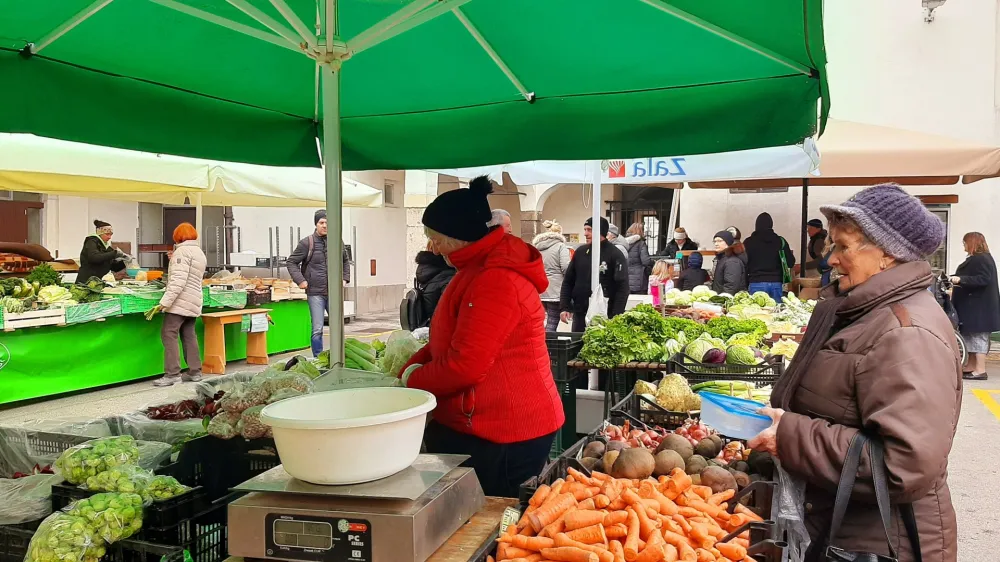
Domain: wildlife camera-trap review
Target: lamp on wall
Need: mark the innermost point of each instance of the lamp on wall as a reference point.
(929, 7)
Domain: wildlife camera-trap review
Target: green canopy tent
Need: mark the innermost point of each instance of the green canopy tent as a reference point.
(415, 83)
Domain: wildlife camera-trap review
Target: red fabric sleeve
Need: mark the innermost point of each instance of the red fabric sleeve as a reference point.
(481, 330)
(422, 356)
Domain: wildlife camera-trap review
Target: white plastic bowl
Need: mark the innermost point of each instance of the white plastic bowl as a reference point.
(349, 436)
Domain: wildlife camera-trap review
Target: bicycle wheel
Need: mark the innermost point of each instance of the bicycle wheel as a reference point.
(963, 352)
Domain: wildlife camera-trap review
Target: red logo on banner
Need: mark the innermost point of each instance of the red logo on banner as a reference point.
(616, 169)
(358, 527)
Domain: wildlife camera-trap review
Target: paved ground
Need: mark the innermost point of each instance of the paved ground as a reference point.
(973, 477)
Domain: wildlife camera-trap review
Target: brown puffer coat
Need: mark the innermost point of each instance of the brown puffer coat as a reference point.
(891, 367)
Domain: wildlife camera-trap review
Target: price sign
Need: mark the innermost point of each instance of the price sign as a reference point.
(258, 323)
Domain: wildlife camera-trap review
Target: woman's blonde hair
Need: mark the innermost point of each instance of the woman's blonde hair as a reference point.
(663, 269)
(445, 243)
(552, 226)
(976, 243)
(636, 228)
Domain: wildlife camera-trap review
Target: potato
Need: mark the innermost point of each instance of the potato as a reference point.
(594, 449)
(634, 464)
(707, 448)
(677, 443)
(608, 461)
(666, 461)
(695, 465)
(718, 479)
(591, 463)
(615, 445)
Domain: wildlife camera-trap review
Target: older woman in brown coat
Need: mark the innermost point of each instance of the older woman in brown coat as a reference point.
(879, 356)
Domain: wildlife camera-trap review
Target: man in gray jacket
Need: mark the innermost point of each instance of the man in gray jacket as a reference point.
(307, 268)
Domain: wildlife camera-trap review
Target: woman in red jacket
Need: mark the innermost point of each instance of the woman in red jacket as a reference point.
(487, 363)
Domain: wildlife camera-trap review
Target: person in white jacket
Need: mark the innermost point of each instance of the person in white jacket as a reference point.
(181, 305)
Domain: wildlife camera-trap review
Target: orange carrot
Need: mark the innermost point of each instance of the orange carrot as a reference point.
(533, 544)
(699, 533)
(686, 553)
(714, 511)
(704, 555)
(683, 522)
(527, 531)
(580, 477)
(603, 554)
(744, 510)
(601, 501)
(599, 476)
(617, 551)
(731, 551)
(569, 554)
(618, 531)
(530, 558)
(736, 521)
(678, 483)
(652, 553)
(646, 525)
(506, 552)
(587, 505)
(668, 524)
(615, 517)
(593, 534)
(585, 492)
(631, 544)
(716, 499)
(554, 528)
(539, 496)
(669, 553)
(578, 519)
(745, 543)
(551, 510)
(702, 491)
(490, 559)
(676, 539)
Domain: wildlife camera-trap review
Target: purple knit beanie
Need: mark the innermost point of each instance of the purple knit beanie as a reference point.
(894, 220)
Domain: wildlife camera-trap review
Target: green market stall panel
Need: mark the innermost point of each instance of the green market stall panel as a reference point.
(52, 360)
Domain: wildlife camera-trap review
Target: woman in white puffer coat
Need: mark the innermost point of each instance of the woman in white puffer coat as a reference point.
(181, 305)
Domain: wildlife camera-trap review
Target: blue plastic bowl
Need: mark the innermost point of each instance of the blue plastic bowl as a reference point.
(733, 417)
(132, 272)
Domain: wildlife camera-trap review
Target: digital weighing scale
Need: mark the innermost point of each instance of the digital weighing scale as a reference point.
(402, 518)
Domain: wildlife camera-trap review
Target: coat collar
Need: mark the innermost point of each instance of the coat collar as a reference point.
(477, 251)
(882, 288)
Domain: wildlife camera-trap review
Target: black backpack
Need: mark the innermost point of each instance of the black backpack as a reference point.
(411, 310)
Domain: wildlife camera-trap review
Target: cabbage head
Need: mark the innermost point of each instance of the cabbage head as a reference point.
(702, 290)
(698, 348)
(741, 355)
(763, 299)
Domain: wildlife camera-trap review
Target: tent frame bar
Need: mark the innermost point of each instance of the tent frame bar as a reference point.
(530, 96)
(229, 24)
(267, 21)
(67, 25)
(665, 6)
(297, 24)
(402, 21)
(330, 30)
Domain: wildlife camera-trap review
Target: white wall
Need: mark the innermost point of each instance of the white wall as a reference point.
(68, 220)
(888, 67)
(570, 205)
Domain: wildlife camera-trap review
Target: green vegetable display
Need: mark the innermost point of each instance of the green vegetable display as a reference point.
(741, 355)
(12, 305)
(359, 355)
(112, 516)
(55, 296)
(78, 463)
(725, 327)
(44, 275)
(7, 286)
(163, 488)
(65, 538)
(399, 349)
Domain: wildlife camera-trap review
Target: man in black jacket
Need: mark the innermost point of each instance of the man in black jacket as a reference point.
(765, 250)
(307, 268)
(817, 241)
(574, 298)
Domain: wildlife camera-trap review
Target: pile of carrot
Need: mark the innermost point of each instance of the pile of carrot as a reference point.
(602, 519)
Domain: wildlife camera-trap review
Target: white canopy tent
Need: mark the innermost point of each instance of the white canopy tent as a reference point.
(800, 160)
(42, 165)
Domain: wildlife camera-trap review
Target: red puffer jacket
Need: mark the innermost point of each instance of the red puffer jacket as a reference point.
(486, 362)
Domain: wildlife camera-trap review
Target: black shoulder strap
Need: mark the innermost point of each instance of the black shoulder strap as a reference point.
(910, 522)
(309, 254)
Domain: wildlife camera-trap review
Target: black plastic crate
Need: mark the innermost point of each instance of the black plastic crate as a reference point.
(17, 442)
(217, 465)
(255, 298)
(564, 347)
(695, 372)
(161, 513)
(651, 413)
(14, 542)
(208, 524)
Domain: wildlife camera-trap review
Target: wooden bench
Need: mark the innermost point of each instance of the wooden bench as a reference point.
(215, 339)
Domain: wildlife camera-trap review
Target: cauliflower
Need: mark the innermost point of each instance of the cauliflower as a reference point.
(673, 393)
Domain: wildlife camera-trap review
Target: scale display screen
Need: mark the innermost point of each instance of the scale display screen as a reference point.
(318, 539)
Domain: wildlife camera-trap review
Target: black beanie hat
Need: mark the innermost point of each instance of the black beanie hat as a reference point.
(726, 236)
(462, 214)
(605, 225)
(320, 215)
(815, 223)
(101, 224)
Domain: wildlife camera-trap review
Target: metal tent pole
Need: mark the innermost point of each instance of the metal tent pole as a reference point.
(595, 261)
(334, 204)
(803, 256)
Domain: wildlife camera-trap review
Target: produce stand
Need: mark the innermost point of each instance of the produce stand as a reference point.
(214, 349)
(54, 360)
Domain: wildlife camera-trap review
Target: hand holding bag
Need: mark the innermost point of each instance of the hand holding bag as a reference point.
(844, 489)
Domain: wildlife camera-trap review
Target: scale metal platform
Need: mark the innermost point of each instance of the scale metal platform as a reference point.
(402, 518)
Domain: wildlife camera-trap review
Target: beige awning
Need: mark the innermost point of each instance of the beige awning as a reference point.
(861, 154)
